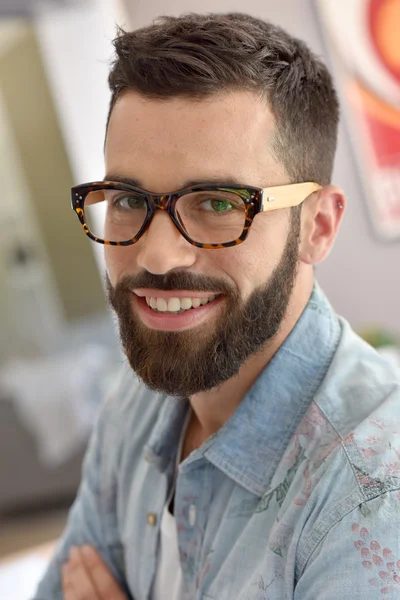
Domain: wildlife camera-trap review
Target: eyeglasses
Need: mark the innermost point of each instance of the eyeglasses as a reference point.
(207, 216)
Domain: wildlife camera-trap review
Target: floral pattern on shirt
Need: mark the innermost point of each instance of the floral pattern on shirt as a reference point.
(378, 562)
(379, 452)
(313, 441)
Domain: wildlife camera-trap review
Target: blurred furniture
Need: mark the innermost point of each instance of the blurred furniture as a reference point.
(47, 410)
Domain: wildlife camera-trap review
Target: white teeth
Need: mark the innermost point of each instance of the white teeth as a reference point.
(162, 305)
(176, 305)
(186, 303)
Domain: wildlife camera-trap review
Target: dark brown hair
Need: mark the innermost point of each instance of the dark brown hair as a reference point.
(197, 56)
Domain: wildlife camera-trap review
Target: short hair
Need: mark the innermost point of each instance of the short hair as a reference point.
(197, 56)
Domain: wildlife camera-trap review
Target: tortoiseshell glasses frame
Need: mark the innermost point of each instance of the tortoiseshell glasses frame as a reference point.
(256, 200)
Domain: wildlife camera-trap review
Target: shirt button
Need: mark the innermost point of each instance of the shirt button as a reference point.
(151, 519)
(192, 515)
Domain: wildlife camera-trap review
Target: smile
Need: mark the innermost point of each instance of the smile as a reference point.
(175, 310)
(177, 305)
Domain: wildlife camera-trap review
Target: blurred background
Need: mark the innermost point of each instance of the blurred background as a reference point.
(58, 343)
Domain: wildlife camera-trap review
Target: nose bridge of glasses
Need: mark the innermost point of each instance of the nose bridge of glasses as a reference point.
(160, 201)
(163, 202)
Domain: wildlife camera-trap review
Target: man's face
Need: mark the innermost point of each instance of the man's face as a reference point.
(163, 145)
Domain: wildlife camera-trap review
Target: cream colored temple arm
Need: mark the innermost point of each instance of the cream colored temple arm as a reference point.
(286, 196)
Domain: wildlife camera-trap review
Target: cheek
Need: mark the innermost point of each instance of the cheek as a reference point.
(118, 262)
(245, 266)
(251, 264)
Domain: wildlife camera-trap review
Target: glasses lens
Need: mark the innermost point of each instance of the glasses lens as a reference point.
(212, 217)
(114, 215)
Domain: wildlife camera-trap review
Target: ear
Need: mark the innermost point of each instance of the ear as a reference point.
(321, 217)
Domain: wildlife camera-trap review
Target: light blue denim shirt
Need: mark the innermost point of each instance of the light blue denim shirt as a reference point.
(296, 496)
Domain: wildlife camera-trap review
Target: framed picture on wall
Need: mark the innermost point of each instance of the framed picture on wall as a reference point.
(362, 38)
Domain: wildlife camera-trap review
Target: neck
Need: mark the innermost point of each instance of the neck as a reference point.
(211, 409)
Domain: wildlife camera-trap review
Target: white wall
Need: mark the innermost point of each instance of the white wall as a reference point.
(361, 276)
(76, 48)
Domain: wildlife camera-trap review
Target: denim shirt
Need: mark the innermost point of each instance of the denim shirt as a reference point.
(296, 496)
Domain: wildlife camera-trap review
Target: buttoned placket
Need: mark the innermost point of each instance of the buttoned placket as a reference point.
(159, 476)
(163, 469)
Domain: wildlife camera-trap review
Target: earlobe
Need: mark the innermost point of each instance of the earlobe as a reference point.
(322, 217)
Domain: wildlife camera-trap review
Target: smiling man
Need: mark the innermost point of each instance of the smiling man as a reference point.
(249, 450)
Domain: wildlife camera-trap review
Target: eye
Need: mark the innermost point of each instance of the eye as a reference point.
(130, 202)
(217, 205)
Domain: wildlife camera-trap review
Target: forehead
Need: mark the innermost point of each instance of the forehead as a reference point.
(164, 142)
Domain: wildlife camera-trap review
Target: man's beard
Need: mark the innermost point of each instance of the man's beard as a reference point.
(183, 363)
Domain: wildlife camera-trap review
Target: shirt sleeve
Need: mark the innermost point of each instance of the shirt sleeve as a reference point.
(359, 557)
(92, 519)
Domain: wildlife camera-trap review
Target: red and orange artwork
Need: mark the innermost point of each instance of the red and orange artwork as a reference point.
(363, 40)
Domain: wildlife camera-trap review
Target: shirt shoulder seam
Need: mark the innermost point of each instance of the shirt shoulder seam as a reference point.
(339, 511)
(345, 506)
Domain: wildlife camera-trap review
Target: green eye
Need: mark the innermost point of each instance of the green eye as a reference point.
(221, 205)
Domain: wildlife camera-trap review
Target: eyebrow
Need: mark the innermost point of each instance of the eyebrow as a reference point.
(136, 183)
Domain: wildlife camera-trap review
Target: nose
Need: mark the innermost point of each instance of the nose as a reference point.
(162, 248)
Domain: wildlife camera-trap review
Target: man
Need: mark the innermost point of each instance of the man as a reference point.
(250, 449)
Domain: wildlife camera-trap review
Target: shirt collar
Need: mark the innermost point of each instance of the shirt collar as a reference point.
(250, 445)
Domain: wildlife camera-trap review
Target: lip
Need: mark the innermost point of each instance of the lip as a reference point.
(164, 321)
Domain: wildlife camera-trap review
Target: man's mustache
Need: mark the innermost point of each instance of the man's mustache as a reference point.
(182, 280)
